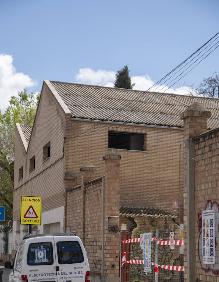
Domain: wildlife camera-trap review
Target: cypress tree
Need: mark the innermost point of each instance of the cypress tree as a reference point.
(123, 79)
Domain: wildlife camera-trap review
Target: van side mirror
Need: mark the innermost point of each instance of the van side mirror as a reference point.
(8, 265)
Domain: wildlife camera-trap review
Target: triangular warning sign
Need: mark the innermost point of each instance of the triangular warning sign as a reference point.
(30, 213)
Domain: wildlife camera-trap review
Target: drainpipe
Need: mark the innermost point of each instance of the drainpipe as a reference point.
(83, 209)
(65, 211)
(190, 234)
(103, 230)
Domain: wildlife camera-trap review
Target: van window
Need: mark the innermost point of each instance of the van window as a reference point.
(40, 254)
(69, 252)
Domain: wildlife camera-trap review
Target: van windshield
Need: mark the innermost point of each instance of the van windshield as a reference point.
(40, 253)
(69, 252)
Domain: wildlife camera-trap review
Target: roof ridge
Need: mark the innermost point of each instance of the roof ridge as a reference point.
(22, 135)
(133, 90)
(92, 102)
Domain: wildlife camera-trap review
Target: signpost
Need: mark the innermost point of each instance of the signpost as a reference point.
(146, 242)
(2, 213)
(31, 209)
(208, 237)
(171, 238)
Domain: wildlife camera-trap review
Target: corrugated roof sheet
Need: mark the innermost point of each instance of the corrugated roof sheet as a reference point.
(130, 106)
(145, 212)
(26, 129)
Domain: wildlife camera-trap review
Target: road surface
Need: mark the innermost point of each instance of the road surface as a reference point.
(6, 275)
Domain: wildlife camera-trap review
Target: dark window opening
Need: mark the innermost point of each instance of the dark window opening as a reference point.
(46, 151)
(21, 173)
(32, 163)
(126, 140)
(40, 254)
(69, 252)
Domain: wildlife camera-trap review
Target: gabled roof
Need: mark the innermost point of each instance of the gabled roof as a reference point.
(25, 133)
(26, 129)
(129, 106)
(98, 103)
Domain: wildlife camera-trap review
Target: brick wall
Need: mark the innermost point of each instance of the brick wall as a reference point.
(93, 220)
(200, 186)
(206, 189)
(151, 178)
(92, 211)
(47, 178)
(93, 224)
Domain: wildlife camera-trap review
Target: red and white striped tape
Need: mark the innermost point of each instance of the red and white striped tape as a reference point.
(172, 267)
(168, 242)
(159, 242)
(166, 267)
(135, 261)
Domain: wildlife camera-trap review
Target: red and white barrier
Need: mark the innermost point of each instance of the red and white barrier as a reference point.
(135, 261)
(168, 242)
(172, 267)
(165, 267)
(159, 242)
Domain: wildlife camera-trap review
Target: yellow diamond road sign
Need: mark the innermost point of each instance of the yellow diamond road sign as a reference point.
(31, 209)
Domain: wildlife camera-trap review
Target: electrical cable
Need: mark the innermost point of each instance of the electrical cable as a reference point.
(161, 80)
(182, 65)
(192, 61)
(208, 52)
(197, 56)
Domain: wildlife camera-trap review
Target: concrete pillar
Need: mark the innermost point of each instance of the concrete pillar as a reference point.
(111, 218)
(195, 122)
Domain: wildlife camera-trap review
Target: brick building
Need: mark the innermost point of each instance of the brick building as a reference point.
(201, 193)
(107, 155)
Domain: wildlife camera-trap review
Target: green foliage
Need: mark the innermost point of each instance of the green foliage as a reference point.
(123, 79)
(21, 110)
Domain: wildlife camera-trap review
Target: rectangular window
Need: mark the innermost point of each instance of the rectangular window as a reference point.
(21, 173)
(69, 252)
(46, 151)
(126, 140)
(40, 254)
(32, 164)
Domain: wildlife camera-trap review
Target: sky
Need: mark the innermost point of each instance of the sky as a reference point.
(88, 41)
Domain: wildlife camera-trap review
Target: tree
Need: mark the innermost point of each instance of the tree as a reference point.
(210, 87)
(123, 79)
(22, 110)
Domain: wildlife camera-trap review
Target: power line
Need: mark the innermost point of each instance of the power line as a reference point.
(191, 62)
(198, 62)
(190, 65)
(182, 65)
(183, 62)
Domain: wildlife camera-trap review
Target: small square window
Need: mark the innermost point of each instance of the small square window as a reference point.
(46, 151)
(32, 164)
(21, 173)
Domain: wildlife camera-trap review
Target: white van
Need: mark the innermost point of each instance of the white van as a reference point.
(51, 258)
